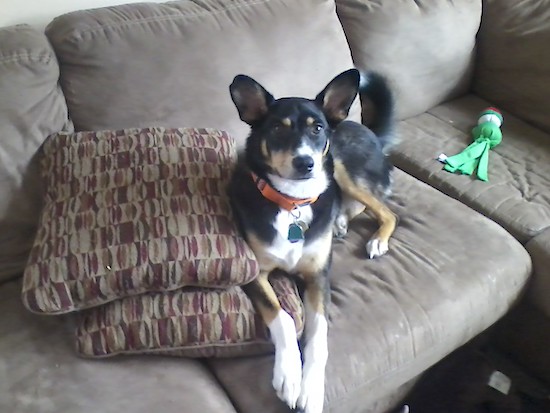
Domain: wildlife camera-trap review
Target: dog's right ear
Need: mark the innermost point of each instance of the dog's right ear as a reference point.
(337, 97)
(250, 98)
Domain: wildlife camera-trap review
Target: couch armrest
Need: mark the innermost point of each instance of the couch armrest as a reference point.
(539, 291)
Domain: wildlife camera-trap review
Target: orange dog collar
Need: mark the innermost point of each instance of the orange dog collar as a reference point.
(286, 202)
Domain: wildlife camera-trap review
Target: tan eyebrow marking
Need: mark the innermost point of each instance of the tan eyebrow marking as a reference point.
(310, 121)
(286, 121)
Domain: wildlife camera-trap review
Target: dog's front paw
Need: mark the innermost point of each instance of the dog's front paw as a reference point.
(340, 228)
(287, 375)
(377, 248)
(312, 395)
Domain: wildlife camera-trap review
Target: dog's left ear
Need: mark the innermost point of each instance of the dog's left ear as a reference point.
(337, 97)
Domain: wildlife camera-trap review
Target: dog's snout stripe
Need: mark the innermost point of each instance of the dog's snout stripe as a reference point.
(305, 150)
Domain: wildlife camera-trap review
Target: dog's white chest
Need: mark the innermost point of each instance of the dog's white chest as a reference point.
(285, 253)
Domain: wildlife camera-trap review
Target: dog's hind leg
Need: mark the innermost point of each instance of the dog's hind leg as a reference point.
(349, 209)
(379, 243)
(287, 372)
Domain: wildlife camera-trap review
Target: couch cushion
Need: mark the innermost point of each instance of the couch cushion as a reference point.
(32, 106)
(186, 322)
(449, 275)
(41, 374)
(426, 49)
(171, 64)
(513, 62)
(236, 376)
(131, 211)
(539, 291)
(516, 195)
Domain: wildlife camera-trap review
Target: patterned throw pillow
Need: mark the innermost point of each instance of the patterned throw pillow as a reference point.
(134, 211)
(186, 322)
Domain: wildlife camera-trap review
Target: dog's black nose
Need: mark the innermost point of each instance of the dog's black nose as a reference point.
(303, 164)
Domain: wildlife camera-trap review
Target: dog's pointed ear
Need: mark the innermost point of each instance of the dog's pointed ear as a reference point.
(250, 98)
(337, 97)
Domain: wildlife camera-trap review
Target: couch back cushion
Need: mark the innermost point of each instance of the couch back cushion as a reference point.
(513, 68)
(32, 107)
(171, 64)
(425, 48)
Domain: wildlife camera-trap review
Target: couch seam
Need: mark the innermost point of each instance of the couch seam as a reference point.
(31, 57)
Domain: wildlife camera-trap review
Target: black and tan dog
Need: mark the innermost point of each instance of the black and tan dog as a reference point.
(306, 171)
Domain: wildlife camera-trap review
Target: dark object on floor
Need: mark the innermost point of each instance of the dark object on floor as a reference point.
(472, 381)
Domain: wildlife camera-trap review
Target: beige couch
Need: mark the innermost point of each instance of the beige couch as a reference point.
(463, 255)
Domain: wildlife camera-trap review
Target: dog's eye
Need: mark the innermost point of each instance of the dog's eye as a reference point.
(279, 125)
(317, 128)
(276, 128)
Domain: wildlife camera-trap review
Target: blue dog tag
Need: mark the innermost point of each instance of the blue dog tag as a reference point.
(295, 233)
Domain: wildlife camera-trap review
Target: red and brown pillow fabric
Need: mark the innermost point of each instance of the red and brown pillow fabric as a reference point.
(186, 322)
(134, 211)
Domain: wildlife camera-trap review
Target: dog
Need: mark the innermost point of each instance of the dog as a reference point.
(305, 173)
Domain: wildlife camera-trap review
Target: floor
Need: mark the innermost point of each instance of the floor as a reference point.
(478, 378)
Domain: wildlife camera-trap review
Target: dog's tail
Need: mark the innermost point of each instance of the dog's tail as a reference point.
(377, 107)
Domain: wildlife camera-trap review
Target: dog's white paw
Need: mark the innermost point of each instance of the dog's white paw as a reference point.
(287, 375)
(340, 228)
(287, 372)
(377, 248)
(312, 395)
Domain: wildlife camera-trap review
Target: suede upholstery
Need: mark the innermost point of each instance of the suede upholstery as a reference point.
(516, 195)
(455, 266)
(32, 107)
(406, 309)
(182, 56)
(514, 62)
(40, 373)
(425, 48)
(539, 248)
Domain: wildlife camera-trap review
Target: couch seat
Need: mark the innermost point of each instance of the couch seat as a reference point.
(40, 373)
(449, 275)
(516, 196)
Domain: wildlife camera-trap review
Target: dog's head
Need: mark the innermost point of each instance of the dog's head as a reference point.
(290, 136)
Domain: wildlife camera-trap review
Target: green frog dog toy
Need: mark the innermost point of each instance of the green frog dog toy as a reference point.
(487, 135)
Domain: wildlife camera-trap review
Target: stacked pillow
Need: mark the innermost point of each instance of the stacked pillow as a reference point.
(137, 236)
